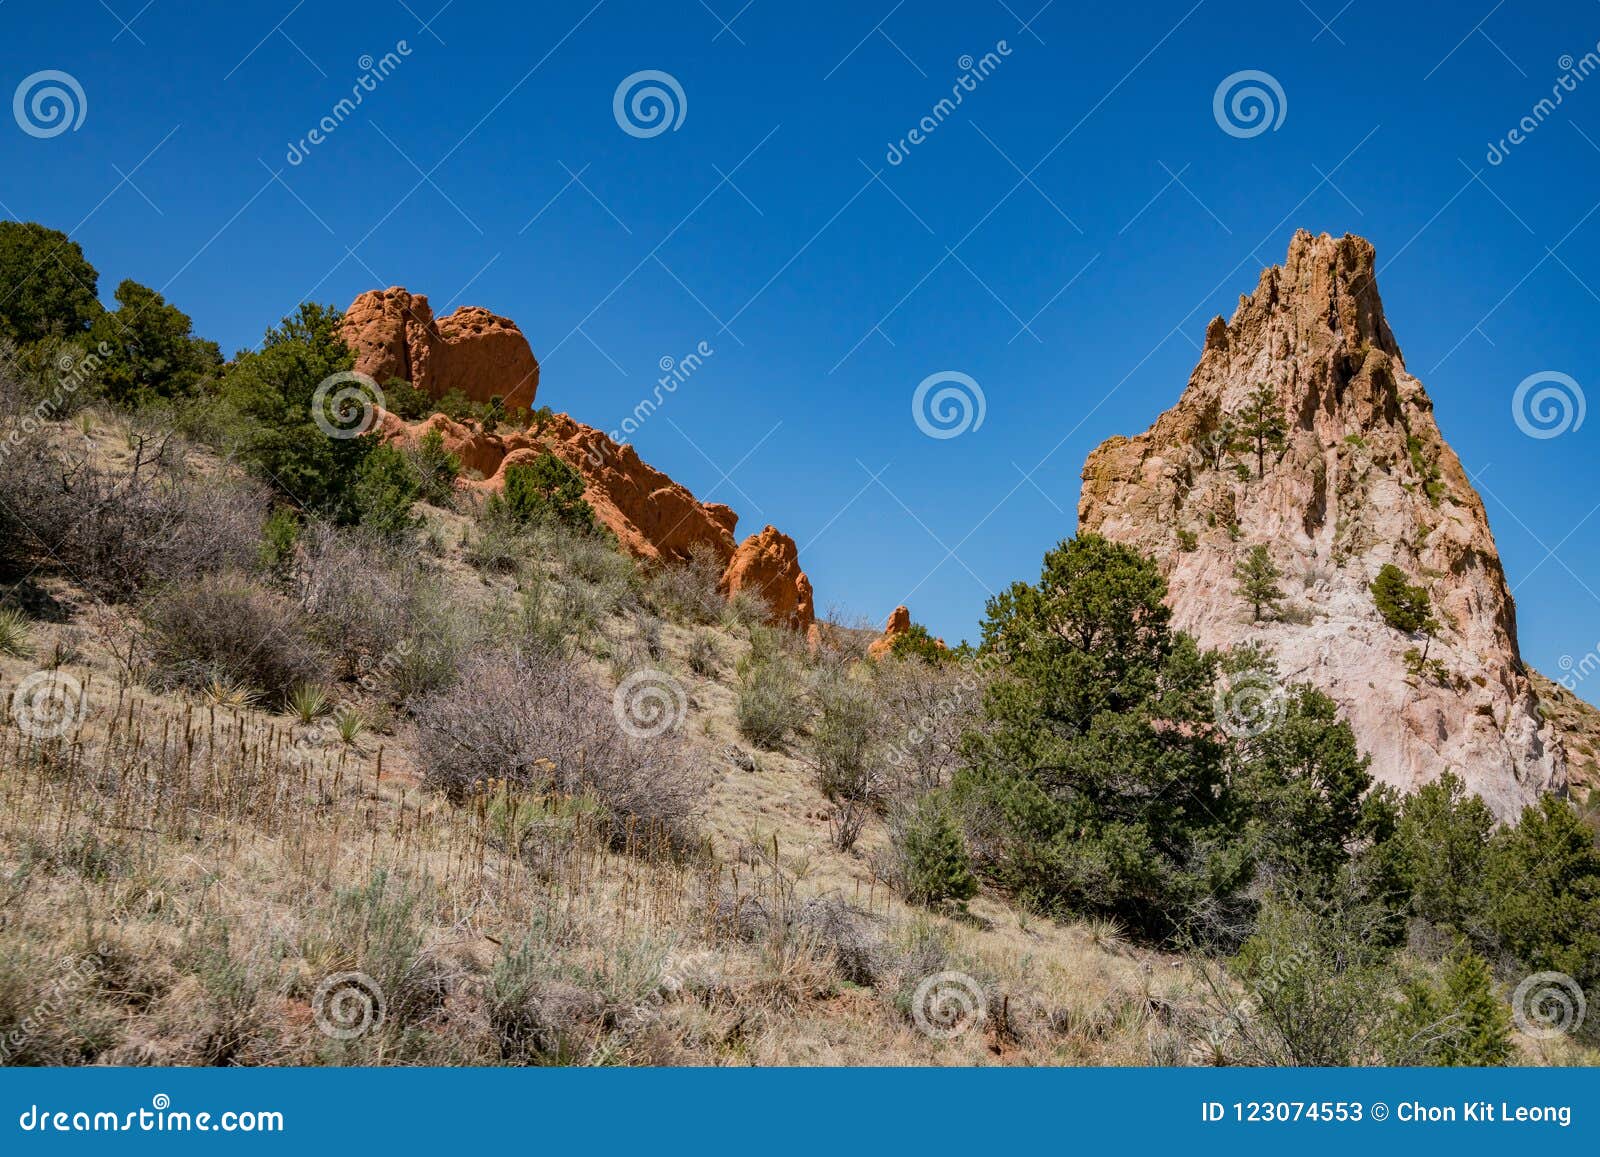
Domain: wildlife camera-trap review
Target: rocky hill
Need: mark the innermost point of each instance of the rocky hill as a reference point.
(485, 356)
(1336, 468)
(1578, 724)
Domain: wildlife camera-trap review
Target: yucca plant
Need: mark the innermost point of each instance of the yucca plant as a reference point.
(308, 702)
(351, 725)
(225, 692)
(15, 633)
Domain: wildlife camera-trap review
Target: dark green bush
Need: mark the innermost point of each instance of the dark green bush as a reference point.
(49, 287)
(1403, 605)
(545, 490)
(148, 349)
(275, 390)
(385, 490)
(1101, 777)
(931, 858)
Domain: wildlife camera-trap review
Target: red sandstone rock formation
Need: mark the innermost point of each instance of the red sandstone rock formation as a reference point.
(472, 350)
(652, 516)
(768, 565)
(395, 335)
(899, 624)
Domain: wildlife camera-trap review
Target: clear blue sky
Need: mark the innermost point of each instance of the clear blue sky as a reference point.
(488, 168)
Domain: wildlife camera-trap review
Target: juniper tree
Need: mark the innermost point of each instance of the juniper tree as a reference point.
(1261, 424)
(1404, 605)
(1258, 581)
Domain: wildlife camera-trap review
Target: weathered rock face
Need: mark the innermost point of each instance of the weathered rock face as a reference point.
(1363, 478)
(768, 564)
(652, 516)
(395, 335)
(899, 623)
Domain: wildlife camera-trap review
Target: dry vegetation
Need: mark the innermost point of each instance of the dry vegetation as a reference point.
(370, 800)
(189, 866)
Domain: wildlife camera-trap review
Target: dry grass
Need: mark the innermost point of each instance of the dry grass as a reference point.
(179, 877)
(188, 879)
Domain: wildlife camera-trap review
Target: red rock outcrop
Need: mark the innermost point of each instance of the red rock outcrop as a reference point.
(1363, 477)
(899, 624)
(653, 517)
(768, 565)
(395, 335)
